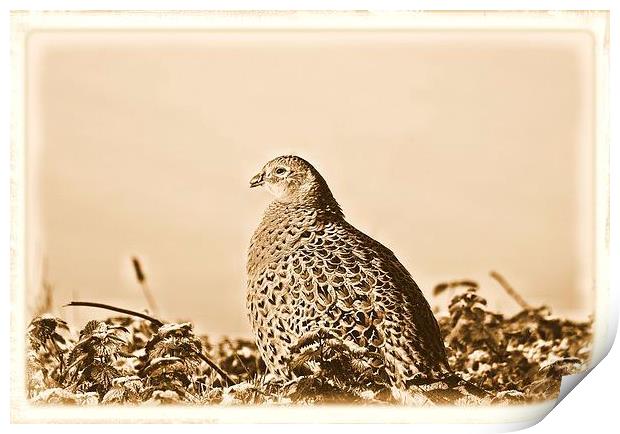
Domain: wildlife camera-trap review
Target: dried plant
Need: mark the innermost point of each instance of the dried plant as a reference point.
(331, 369)
(91, 361)
(126, 360)
(45, 361)
(171, 362)
(146, 290)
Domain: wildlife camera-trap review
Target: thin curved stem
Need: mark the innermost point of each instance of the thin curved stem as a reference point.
(154, 321)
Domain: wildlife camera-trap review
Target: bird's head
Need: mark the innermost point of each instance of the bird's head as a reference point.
(290, 178)
(285, 177)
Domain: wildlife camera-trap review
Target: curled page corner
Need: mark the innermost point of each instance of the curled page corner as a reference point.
(569, 382)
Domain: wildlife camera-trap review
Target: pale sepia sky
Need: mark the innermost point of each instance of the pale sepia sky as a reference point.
(461, 151)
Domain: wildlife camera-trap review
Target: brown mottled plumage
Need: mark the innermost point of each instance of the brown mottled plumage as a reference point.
(309, 269)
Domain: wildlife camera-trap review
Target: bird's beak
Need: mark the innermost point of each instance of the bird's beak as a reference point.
(258, 179)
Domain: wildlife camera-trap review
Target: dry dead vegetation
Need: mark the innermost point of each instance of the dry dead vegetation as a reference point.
(129, 360)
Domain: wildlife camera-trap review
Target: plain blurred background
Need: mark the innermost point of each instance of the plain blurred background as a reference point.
(463, 152)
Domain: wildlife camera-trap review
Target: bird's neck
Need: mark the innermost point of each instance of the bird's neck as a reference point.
(314, 201)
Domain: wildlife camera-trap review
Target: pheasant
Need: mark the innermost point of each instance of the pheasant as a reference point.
(309, 269)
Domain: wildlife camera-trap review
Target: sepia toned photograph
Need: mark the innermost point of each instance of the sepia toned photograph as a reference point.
(306, 210)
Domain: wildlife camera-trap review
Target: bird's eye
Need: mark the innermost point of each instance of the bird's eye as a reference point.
(280, 171)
